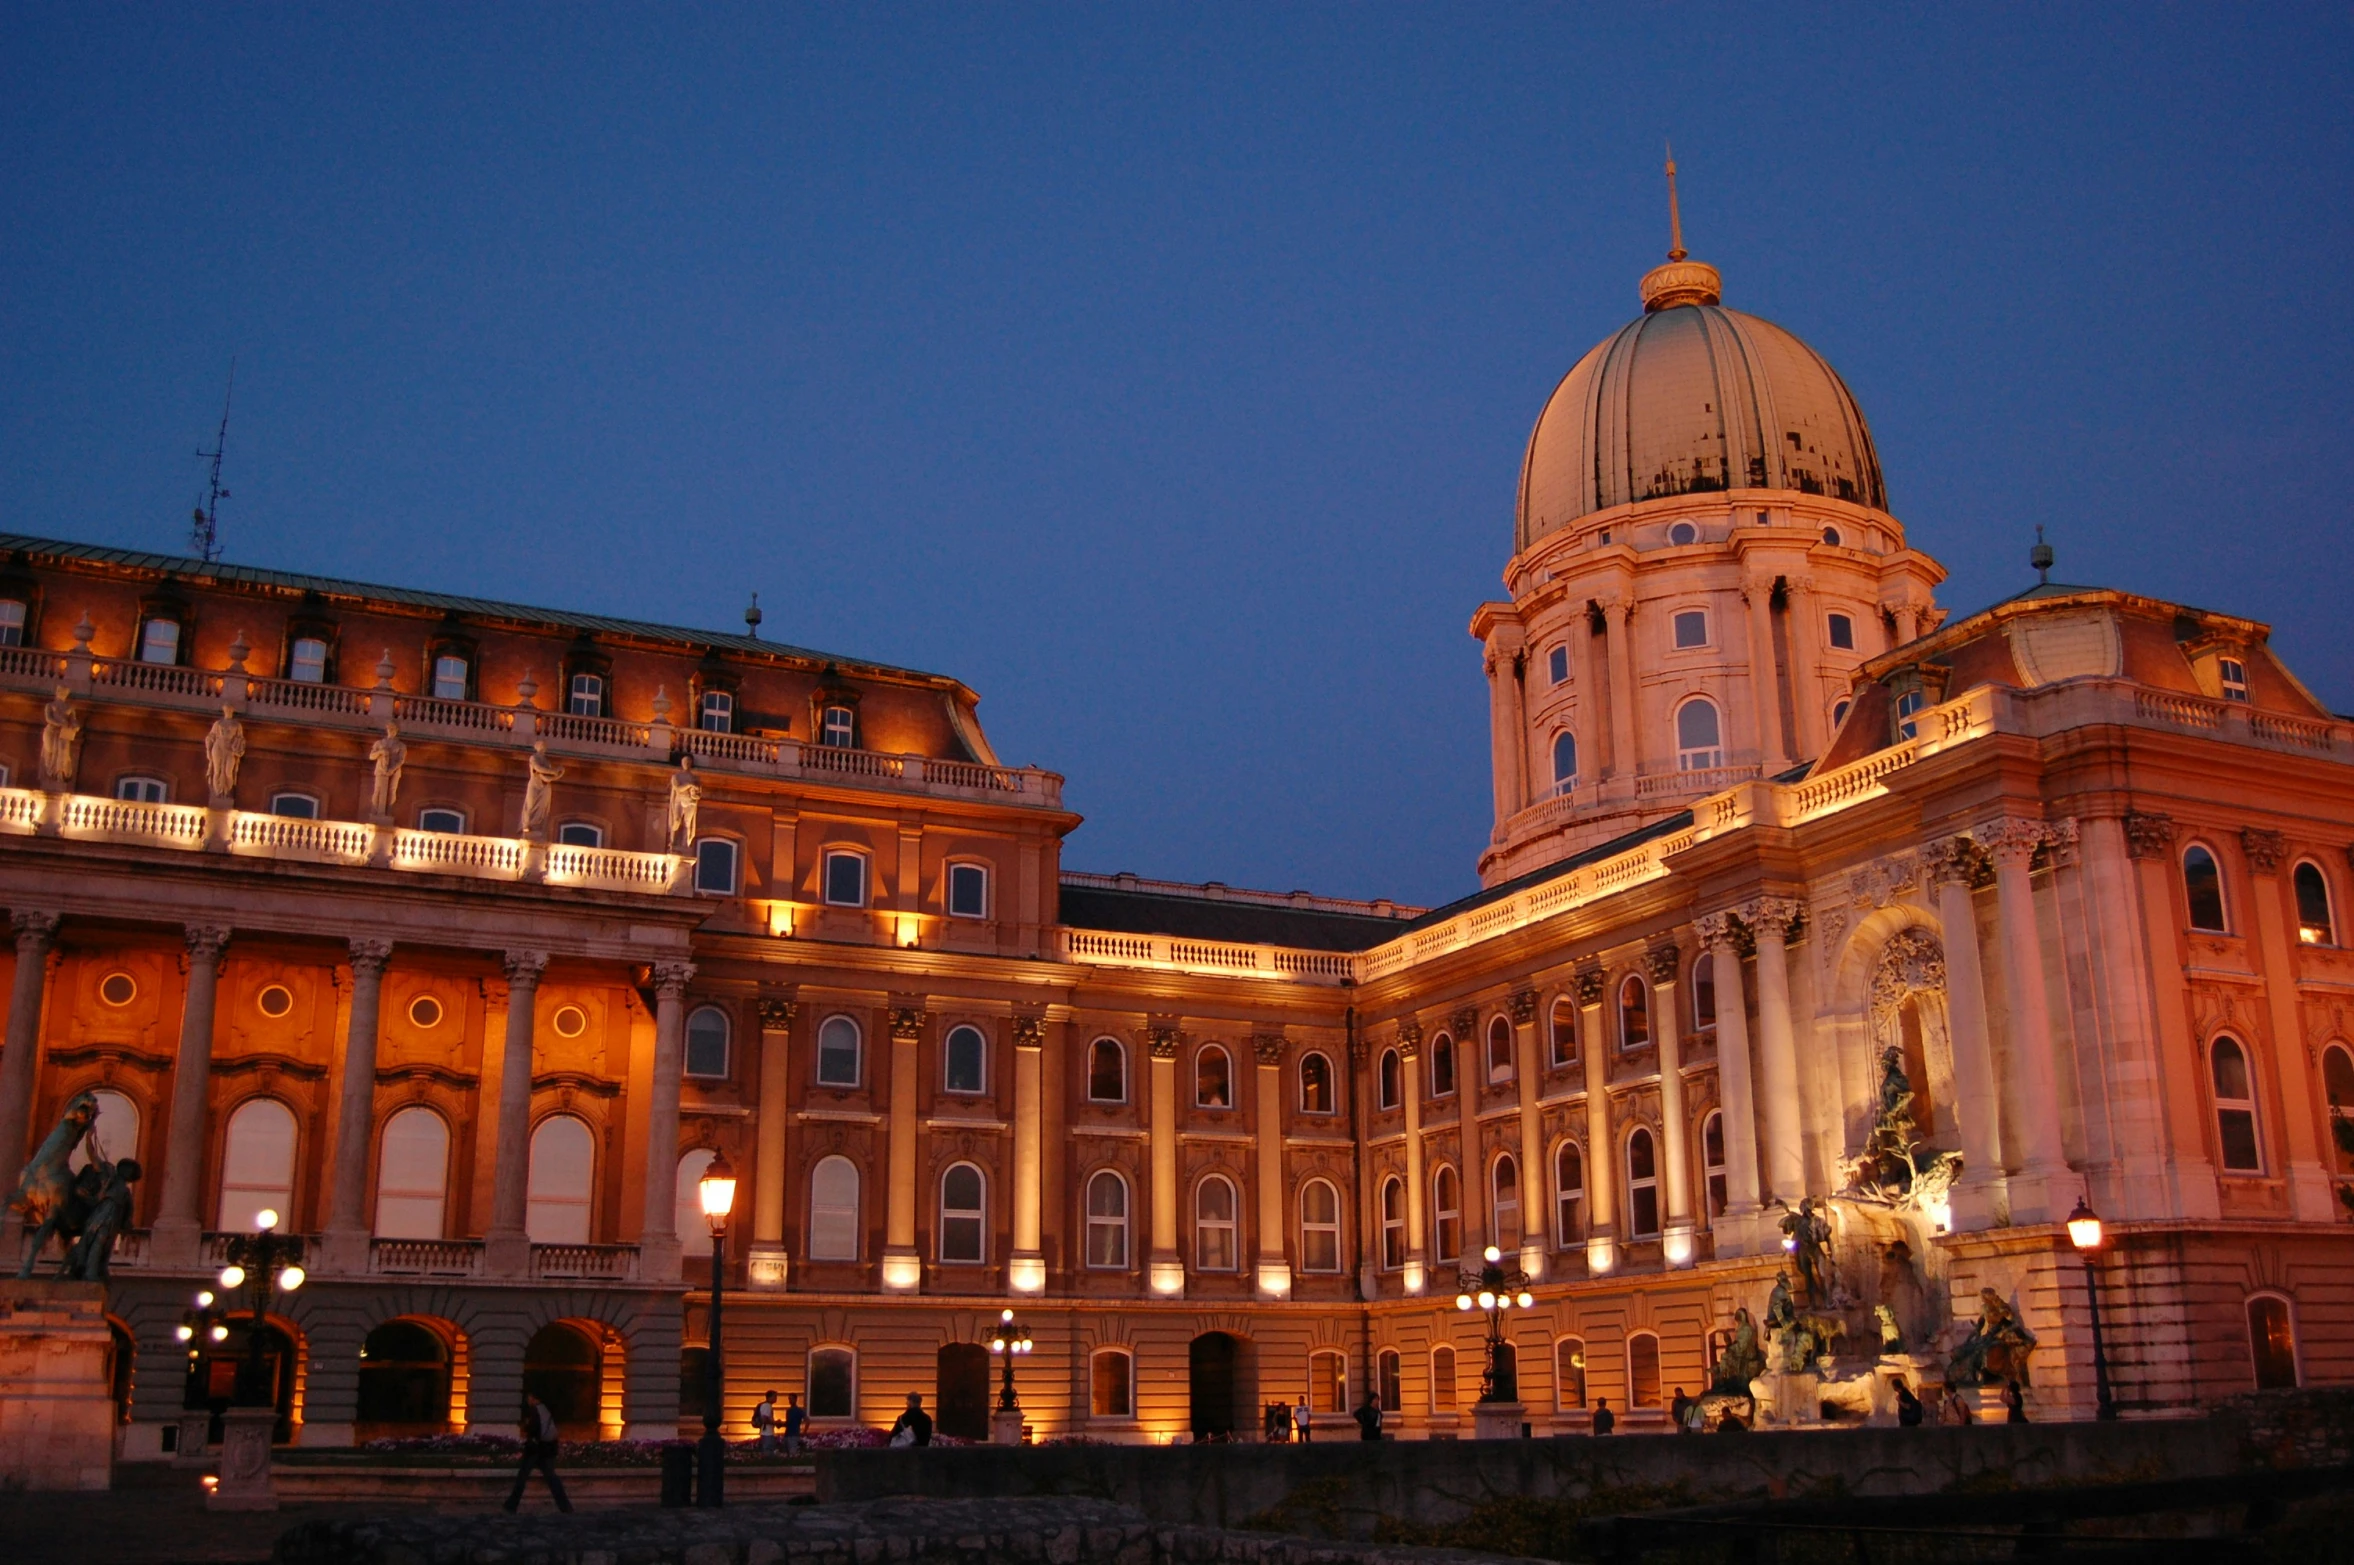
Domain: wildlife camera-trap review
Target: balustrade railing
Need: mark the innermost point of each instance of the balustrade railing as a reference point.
(609, 869)
(302, 695)
(31, 663)
(611, 732)
(425, 1257)
(460, 717)
(126, 820)
(490, 858)
(608, 1262)
(162, 679)
(292, 837)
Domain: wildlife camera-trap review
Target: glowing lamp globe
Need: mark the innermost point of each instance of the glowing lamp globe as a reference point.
(220, 1334)
(232, 1277)
(1526, 1300)
(265, 1219)
(186, 1333)
(1487, 1300)
(204, 1299)
(291, 1278)
(717, 1188)
(1463, 1301)
(1492, 1255)
(2084, 1227)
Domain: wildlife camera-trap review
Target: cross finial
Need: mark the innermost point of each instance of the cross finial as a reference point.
(1675, 217)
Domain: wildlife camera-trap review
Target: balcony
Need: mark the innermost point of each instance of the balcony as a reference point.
(442, 1260)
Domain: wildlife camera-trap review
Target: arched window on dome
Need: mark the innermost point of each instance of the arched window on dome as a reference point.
(1565, 761)
(1699, 736)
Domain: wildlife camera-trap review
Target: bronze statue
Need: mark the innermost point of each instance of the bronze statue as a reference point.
(47, 1190)
(109, 1214)
(1997, 1348)
(1809, 1235)
(1742, 1361)
(1778, 1311)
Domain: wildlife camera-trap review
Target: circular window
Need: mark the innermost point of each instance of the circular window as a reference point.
(118, 988)
(1683, 533)
(425, 1011)
(1831, 536)
(570, 1021)
(276, 1000)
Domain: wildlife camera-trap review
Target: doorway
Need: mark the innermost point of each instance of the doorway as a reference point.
(960, 1397)
(1221, 1371)
(565, 1369)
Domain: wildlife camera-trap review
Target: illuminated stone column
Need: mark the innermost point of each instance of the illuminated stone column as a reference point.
(1805, 687)
(1624, 757)
(658, 1237)
(1675, 1129)
(766, 1263)
(2310, 1196)
(346, 1236)
(2041, 1189)
(1471, 1068)
(506, 1246)
(1769, 920)
(1410, 1086)
(178, 1225)
(1533, 1185)
(1165, 1270)
(903, 1264)
(1026, 1267)
(34, 932)
(1722, 938)
(1274, 1270)
(1507, 721)
(1977, 1197)
(1765, 685)
(1601, 1145)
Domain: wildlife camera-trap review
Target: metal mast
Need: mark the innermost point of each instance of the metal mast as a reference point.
(204, 538)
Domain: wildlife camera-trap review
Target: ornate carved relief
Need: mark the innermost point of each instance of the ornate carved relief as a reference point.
(907, 1023)
(1590, 983)
(1163, 1042)
(778, 1015)
(2149, 836)
(1661, 963)
(1524, 1008)
(2265, 849)
(1268, 1046)
(1913, 960)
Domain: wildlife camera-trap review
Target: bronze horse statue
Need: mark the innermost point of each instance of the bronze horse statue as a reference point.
(52, 1195)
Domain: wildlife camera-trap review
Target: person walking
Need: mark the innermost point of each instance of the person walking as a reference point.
(1299, 1420)
(2016, 1401)
(1679, 1412)
(1908, 1406)
(1953, 1409)
(1604, 1420)
(538, 1428)
(1369, 1418)
(795, 1416)
(764, 1422)
(915, 1423)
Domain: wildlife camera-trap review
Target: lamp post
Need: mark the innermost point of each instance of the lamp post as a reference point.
(1009, 1342)
(1495, 1290)
(718, 1190)
(261, 1258)
(2084, 1232)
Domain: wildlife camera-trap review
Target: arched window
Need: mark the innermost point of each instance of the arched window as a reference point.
(1319, 1227)
(1642, 1184)
(1642, 1370)
(1446, 1214)
(1215, 1244)
(2202, 883)
(966, 1051)
(1504, 1195)
(1107, 1221)
(833, 1210)
(1634, 1012)
(1565, 761)
(2235, 1107)
(1712, 1160)
(412, 1174)
(2337, 1085)
(257, 1165)
(1390, 1372)
(1704, 996)
(115, 1131)
(837, 1052)
(1315, 1084)
(963, 1209)
(833, 1383)
(687, 1219)
(1569, 1195)
(1499, 1050)
(1328, 1381)
(1111, 1384)
(1393, 1223)
(1213, 1078)
(1392, 1087)
(708, 1034)
(1442, 1066)
(1564, 1031)
(562, 1183)
(1698, 746)
(1569, 1374)
(2272, 1341)
(1107, 1071)
(1442, 1380)
(2313, 921)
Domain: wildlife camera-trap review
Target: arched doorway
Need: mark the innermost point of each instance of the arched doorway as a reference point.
(1221, 1371)
(213, 1371)
(404, 1381)
(960, 1404)
(563, 1367)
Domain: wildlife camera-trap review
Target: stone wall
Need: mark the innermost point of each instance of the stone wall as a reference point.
(56, 1417)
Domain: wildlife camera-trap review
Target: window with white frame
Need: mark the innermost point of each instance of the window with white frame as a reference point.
(967, 1059)
(587, 696)
(295, 806)
(1389, 1090)
(2235, 1107)
(12, 622)
(1442, 1066)
(1316, 1088)
(1319, 1226)
(2337, 1089)
(715, 866)
(1107, 1071)
(1504, 1200)
(1682, 533)
(2314, 925)
(838, 728)
(2202, 884)
(716, 712)
(833, 1383)
(1843, 632)
(1393, 1223)
(1107, 1221)
(833, 1210)
(580, 834)
(449, 677)
(1642, 1184)
(2233, 674)
(142, 790)
(1643, 1370)
(1213, 1078)
(306, 661)
(1565, 761)
(962, 1207)
(1501, 1066)
(1691, 629)
(1704, 995)
(1712, 1160)
(1634, 1012)
(968, 891)
(838, 1052)
(412, 1174)
(709, 1034)
(1569, 1194)
(1389, 1372)
(1699, 737)
(845, 878)
(1111, 1384)
(1328, 1381)
(1908, 714)
(1557, 665)
(560, 1185)
(1215, 1209)
(159, 640)
(1569, 1374)
(452, 822)
(1446, 1214)
(1563, 1032)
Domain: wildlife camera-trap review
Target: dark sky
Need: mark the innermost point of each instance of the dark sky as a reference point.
(1162, 373)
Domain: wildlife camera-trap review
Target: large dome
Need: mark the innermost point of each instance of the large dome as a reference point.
(1688, 398)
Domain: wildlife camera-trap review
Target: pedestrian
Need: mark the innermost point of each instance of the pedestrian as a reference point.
(915, 1423)
(2015, 1400)
(1908, 1406)
(1679, 1412)
(1731, 1423)
(538, 1428)
(1369, 1418)
(1299, 1419)
(1604, 1419)
(1953, 1409)
(764, 1422)
(795, 1416)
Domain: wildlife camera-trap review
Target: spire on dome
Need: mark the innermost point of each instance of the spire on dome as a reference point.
(1680, 281)
(1675, 218)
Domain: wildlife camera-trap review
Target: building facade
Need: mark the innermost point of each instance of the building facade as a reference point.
(464, 934)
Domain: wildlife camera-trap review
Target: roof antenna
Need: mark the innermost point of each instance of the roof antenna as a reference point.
(2041, 558)
(1675, 217)
(752, 618)
(204, 538)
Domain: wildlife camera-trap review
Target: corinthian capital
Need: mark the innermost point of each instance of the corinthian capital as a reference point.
(1717, 929)
(1029, 1032)
(1268, 1046)
(1661, 964)
(2011, 840)
(2265, 849)
(2148, 835)
(35, 928)
(1466, 1022)
(524, 967)
(1524, 1008)
(1955, 859)
(1590, 983)
(206, 943)
(671, 979)
(907, 1023)
(1409, 1038)
(1163, 1042)
(369, 956)
(777, 1015)
(1772, 916)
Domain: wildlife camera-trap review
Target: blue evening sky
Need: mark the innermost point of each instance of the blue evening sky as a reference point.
(1163, 373)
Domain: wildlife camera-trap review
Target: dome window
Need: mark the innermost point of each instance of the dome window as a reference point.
(1831, 536)
(1691, 629)
(1683, 533)
(1838, 713)
(1565, 762)
(1699, 742)
(1843, 632)
(1557, 665)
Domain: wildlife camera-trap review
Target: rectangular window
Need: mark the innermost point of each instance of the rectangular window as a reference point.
(298, 806)
(581, 834)
(307, 662)
(1393, 1391)
(715, 867)
(449, 677)
(1908, 707)
(1110, 1397)
(1328, 1383)
(718, 713)
(1557, 665)
(846, 879)
(968, 891)
(451, 821)
(830, 1383)
(1843, 632)
(1442, 1380)
(588, 695)
(159, 641)
(142, 790)
(1691, 629)
(2234, 675)
(840, 728)
(12, 623)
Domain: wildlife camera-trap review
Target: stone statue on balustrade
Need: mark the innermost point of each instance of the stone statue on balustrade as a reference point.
(388, 755)
(61, 742)
(224, 751)
(686, 799)
(539, 798)
(83, 1209)
(1997, 1348)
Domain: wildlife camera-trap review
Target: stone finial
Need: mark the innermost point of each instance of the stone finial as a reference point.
(1524, 1008)
(777, 1015)
(2148, 835)
(83, 631)
(526, 690)
(1661, 964)
(384, 670)
(1268, 1046)
(238, 653)
(661, 703)
(2265, 849)
(1163, 1041)
(1590, 982)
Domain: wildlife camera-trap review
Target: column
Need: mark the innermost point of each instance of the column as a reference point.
(506, 1244)
(1806, 690)
(346, 1238)
(903, 1264)
(2157, 926)
(1722, 937)
(1362, 1098)
(1769, 921)
(178, 1224)
(1026, 1268)
(1675, 1126)
(1471, 1069)
(1978, 1195)
(34, 932)
(1515, 676)
(2311, 1198)
(1410, 1085)
(1274, 1270)
(1166, 1272)
(1505, 740)
(2040, 1188)
(766, 1264)
(1765, 683)
(659, 1242)
(1601, 1144)
(1535, 1218)
(1624, 759)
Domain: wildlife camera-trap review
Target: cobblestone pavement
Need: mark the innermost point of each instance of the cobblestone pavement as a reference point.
(154, 1515)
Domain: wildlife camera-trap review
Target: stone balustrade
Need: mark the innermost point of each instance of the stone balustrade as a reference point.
(441, 1259)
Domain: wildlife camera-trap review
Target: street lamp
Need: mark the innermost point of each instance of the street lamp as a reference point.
(1009, 1341)
(2084, 1232)
(262, 1258)
(718, 1190)
(202, 1324)
(1495, 1290)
